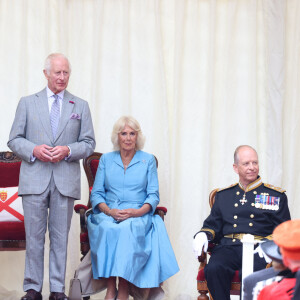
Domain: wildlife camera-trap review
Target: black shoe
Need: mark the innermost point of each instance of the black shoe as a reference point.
(58, 296)
(32, 295)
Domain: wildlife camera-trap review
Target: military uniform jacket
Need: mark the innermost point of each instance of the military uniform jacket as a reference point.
(256, 211)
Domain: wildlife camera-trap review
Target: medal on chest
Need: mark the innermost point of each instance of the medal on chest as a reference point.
(243, 200)
(264, 201)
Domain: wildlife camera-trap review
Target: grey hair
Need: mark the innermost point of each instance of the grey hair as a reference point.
(119, 126)
(236, 152)
(47, 65)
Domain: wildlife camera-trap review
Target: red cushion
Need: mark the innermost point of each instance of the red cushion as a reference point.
(164, 209)
(94, 166)
(77, 207)
(236, 277)
(84, 237)
(9, 175)
(201, 277)
(12, 231)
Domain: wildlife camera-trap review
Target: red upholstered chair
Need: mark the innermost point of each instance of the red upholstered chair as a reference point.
(90, 165)
(201, 282)
(12, 233)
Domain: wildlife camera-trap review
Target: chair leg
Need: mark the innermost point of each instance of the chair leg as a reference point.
(203, 295)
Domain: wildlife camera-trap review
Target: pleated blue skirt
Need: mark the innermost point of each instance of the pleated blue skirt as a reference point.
(137, 249)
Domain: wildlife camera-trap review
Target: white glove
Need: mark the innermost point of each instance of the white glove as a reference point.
(262, 254)
(200, 242)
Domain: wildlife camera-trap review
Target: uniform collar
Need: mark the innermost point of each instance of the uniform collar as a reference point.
(256, 183)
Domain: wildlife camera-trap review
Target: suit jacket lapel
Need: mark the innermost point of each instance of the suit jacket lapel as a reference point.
(41, 102)
(66, 110)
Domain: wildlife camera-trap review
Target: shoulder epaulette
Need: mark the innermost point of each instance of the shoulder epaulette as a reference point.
(278, 189)
(228, 187)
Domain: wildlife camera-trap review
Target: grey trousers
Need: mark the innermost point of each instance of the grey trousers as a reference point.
(56, 210)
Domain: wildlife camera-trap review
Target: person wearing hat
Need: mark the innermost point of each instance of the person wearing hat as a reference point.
(247, 207)
(256, 281)
(287, 238)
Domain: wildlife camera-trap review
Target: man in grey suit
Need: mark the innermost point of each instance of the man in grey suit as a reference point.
(51, 132)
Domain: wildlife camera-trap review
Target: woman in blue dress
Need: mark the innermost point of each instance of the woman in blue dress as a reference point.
(127, 240)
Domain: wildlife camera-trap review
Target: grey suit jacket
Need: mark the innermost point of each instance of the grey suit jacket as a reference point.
(32, 127)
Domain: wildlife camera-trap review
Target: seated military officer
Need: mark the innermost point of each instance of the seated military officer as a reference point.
(249, 206)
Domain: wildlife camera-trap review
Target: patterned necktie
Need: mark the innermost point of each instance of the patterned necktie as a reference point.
(55, 115)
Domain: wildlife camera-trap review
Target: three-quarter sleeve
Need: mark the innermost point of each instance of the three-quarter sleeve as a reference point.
(152, 197)
(98, 191)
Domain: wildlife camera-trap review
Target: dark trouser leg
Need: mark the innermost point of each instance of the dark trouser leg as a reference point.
(221, 268)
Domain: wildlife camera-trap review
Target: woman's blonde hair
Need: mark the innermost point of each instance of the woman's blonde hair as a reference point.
(120, 125)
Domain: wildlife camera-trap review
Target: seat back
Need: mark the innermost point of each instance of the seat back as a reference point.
(90, 165)
(12, 234)
(201, 281)
(212, 197)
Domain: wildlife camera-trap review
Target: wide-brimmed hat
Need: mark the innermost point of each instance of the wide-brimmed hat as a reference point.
(287, 237)
(272, 250)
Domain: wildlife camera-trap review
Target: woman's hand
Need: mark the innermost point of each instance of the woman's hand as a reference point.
(128, 213)
(121, 215)
(114, 213)
(133, 213)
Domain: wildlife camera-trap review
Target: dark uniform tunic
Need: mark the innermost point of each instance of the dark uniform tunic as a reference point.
(256, 211)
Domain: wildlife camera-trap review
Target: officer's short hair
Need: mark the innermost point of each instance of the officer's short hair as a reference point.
(236, 152)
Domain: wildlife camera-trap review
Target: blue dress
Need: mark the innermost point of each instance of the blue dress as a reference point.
(137, 249)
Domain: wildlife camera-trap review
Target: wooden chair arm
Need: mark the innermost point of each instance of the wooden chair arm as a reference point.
(161, 211)
(84, 242)
(81, 210)
(203, 257)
